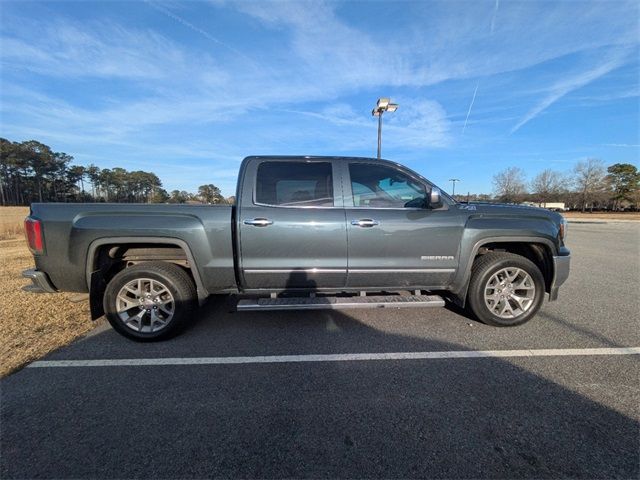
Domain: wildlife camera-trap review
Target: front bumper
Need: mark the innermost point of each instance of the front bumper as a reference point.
(561, 267)
(40, 282)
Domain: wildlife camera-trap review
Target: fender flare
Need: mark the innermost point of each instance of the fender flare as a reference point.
(462, 281)
(95, 280)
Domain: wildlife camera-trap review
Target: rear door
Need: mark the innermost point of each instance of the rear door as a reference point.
(393, 240)
(292, 231)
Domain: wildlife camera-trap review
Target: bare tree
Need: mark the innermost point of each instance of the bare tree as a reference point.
(510, 185)
(589, 180)
(548, 185)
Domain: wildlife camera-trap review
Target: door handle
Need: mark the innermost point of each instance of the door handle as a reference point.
(258, 222)
(365, 222)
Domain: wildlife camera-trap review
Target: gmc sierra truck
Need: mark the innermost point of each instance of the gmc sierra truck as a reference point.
(306, 233)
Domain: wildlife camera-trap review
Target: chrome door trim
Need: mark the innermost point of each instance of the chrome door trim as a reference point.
(402, 270)
(300, 270)
(351, 270)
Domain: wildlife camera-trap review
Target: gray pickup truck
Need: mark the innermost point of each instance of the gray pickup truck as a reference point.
(307, 233)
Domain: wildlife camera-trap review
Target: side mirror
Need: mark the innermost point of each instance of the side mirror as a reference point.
(435, 198)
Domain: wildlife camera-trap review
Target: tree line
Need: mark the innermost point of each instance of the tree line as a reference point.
(31, 171)
(588, 186)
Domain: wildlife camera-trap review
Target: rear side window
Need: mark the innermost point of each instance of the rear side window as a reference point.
(295, 184)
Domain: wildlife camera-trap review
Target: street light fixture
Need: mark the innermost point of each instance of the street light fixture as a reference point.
(453, 183)
(383, 105)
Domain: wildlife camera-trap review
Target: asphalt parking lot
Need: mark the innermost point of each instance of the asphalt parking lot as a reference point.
(466, 417)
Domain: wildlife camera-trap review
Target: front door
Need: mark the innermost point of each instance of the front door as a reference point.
(393, 240)
(292, 230)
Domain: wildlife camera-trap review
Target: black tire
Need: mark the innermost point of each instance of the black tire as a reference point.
(483, 270)
(178, 283)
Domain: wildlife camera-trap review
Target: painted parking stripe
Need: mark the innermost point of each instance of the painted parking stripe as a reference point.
(340, 357)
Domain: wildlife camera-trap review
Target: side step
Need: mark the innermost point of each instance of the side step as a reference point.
(339, 303)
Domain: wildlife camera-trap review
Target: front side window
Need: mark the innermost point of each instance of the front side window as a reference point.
(379, 186)
(295, 184)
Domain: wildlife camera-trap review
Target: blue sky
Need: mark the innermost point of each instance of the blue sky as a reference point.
(187, 89)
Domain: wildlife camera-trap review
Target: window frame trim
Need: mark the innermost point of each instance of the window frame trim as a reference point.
(348, 193)
(335, 177)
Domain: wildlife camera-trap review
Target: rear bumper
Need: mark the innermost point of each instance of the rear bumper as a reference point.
(40, 282)
(561, 268)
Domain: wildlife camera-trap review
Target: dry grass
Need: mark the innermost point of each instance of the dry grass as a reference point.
(32, 325)
(603, 215)
(11, 219)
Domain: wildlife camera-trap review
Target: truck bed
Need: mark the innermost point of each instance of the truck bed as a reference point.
(74, 233)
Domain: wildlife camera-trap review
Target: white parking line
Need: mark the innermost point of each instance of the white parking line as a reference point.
(339, 357)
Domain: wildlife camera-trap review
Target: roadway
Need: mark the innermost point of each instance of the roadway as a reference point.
(530, 414)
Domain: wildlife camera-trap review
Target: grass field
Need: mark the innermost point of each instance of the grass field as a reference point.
(11, 219)
(31, 325)
(603, 215)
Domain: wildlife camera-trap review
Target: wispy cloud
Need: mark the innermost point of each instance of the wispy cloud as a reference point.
(473, 99)
(418, 123)
(199, 30)
(177, 93)
(66, 49)
(565, 86)
(178, 81)
(495, 14)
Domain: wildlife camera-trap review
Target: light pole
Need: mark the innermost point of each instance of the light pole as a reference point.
(383, 105)
(453, 183)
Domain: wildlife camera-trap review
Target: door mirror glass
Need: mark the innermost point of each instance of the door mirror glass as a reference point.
(435, 198)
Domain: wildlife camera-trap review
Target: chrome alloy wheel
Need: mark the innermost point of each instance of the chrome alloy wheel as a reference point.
(510, 292)
(145, 305)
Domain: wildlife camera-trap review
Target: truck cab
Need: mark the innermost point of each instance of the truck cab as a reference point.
(328, 223)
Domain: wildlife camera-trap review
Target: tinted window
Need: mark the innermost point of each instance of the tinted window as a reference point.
(295, 184)
(384, 187)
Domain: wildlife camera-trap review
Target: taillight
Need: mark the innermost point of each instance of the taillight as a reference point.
(33, 231)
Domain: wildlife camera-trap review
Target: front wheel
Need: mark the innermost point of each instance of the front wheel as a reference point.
(505, 289)
(150, 301)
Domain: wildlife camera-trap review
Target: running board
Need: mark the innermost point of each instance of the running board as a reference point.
(339, 303)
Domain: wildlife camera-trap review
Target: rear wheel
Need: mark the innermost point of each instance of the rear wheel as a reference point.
(505, 289)
(150, 301)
